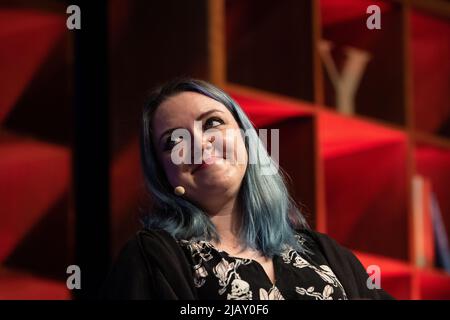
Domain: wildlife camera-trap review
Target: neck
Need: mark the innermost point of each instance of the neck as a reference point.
(227, 220)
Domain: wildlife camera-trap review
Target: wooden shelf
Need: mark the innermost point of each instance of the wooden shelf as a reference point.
(439, 8)
(434, 163)
(269, 45)
(433, 140)
(430, 65)
(405, 281)
(351, 174)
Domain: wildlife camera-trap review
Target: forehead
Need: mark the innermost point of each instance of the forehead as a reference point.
(183, 108)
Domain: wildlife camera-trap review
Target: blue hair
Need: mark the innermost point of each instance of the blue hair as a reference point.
(269, 216)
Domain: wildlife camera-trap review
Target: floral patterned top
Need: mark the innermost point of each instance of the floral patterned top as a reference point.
(218, 275)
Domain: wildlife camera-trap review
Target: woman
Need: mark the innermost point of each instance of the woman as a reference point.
(221, 228)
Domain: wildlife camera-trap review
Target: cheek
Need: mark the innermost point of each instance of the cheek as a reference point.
(235, 149)
(173, 172)
(242, 150)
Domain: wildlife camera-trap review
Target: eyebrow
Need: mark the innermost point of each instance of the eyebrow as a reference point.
(203, 115)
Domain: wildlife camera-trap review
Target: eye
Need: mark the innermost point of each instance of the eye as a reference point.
(170, 143)
(213, 122)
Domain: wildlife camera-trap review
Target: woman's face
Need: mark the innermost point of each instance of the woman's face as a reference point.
(219, 175)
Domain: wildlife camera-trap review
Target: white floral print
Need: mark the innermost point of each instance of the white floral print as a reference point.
(325, 295)
(201, 253)
(273, 294)
(226, 271)
(240, 290)
(323, 271)
(208, 262)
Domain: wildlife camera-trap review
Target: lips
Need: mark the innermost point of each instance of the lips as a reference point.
(205, 165)
(199, 167)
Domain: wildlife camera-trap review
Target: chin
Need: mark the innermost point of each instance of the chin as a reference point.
(216, 184)
(212, 185)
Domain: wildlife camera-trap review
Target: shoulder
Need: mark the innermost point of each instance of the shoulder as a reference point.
(315, 236)
(345, 265)
(329, 247)
(148, 239)
(337, 256)
(157, 248)
(131, 275)
(150, 265)
(144, 244)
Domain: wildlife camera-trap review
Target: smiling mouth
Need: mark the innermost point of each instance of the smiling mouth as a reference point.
(205, 165)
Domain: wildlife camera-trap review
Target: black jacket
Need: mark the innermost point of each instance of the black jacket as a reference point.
(153, 266)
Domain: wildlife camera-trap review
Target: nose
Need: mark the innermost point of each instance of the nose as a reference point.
(208, 142)
(202, 143)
